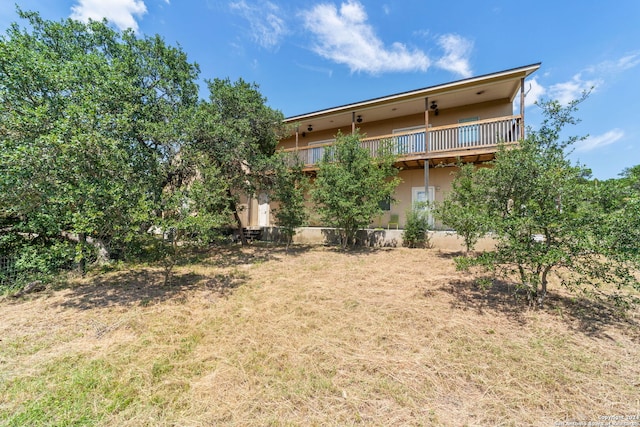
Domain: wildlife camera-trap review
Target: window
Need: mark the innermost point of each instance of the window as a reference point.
(385, 204)
(468, 134)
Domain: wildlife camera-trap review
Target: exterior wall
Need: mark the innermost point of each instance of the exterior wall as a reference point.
(248, 211)
(439, 178)
(482, 111)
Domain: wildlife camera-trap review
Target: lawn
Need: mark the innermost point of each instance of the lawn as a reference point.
(315, 336)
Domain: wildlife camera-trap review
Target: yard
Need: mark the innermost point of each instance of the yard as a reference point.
(316, 336)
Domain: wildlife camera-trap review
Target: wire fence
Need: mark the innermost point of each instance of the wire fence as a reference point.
(9, 275)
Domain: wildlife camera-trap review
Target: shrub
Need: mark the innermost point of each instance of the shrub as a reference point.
(415, 234)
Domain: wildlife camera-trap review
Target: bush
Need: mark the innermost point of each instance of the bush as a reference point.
(415, 234)
(23, 261)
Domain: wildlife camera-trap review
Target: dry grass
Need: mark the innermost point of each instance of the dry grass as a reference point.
(314, 337)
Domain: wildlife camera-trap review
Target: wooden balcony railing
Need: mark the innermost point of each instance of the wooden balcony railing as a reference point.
(442, 139)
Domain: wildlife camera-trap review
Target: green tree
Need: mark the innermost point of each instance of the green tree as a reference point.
(238, 134)
(546, 218)
(194, 209)
(289, 187)
(350, 185)
(619, 208)
(89, 122)
(462, 207)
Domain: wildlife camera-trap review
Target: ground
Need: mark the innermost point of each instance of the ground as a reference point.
(315, 336)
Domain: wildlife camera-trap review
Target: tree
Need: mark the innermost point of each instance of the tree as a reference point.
(350, 185)
(194, 208)
(89, 122)
(462, 207)
(546, 218)
(618, 202)
(289, 187)
(238, 134)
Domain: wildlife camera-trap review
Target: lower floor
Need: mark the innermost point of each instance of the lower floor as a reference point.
(258, 211)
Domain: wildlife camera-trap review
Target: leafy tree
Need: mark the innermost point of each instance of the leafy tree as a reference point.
(289, 187)
(462, 208)
(193, 209)
(238, 134)
(89, 122)
(619, 208)
(546, 218)
(350, 184)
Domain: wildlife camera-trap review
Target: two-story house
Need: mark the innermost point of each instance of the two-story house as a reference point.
(431, 129)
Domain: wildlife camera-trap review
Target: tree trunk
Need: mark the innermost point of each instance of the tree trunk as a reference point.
(543, 281)
(82, 264)
(102, 254)
(232, 205)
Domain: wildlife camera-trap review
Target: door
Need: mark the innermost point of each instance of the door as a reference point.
(411, 143)
(418, 195)
(263, 210)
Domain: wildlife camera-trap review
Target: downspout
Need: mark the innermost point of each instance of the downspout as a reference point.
(522, 95)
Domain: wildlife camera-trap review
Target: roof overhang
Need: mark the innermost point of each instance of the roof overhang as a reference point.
(489, 87)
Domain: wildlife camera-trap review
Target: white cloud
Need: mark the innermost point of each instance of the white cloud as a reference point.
(122, 13)
(534, 91)
(616, 66)
(344, 36)
(628, 62)
(321, 70)
(456, 58)
(267, 27)
(594, 142)
(568, 91)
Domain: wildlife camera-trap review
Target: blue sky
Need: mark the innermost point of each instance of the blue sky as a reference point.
(313, 54)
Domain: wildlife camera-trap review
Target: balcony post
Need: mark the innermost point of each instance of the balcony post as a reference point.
(522, 95)
(426, 148)
(353, 122)
(426, 125)
(297, 136)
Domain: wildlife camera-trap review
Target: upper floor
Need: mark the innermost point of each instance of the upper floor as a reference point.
(464, 119)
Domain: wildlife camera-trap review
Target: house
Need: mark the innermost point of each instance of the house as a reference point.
(431, 130)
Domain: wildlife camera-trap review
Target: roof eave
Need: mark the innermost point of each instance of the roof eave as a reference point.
(522, 72)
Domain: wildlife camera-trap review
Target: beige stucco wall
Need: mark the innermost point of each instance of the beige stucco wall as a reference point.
(248, 211)
(439, 178)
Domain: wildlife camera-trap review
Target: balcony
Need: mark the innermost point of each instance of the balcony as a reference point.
(456, 140)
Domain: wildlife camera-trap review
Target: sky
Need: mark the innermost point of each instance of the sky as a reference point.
(307, 55)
